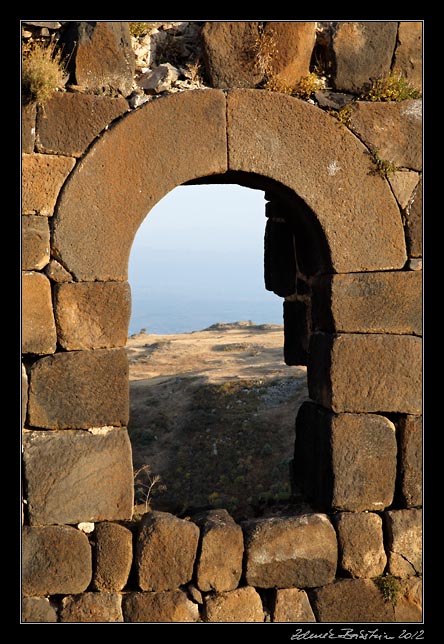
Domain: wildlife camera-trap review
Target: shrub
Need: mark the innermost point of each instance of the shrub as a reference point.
(393, 87)
(43, 72)
(389, 587)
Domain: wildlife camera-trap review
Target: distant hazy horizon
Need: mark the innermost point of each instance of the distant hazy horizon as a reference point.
(197, 259)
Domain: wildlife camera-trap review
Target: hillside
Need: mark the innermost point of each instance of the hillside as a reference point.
(212, 414)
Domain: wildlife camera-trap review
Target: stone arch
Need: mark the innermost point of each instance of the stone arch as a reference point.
(184, 136)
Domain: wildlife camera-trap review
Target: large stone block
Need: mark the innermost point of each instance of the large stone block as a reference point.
(363, 51)
(35, 242)
(361, 544)
(92, 607)
(42, 177)
(369, 303)
(297, 323)
(92, 315)
(76, 476)
(413, 223)
(219, 563)
(410, 461)
(240, 605)
(366, 372)
(38, 327)
(281, 552)
(230, 51)
(80, 389)
(37, 610)
(408, 54)
(131, 167)
(164, 606)
(24, 397)
(55, 560)
(404, 541)
(291, 47)
(291, 605)
(28, 127)
(408, 606)
(394, 129)
(345, 461)
(71, 121)
(166, 550)
(113, 556)
(351, 600)
(348, 207)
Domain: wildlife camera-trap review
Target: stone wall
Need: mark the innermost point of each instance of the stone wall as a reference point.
(343, 248)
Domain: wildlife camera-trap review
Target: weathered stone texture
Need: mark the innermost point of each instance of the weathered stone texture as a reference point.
(403, 183)
(75, 476)
(121, 181)
(38, 609)
(408, 606)
(394, 129)
(271, 134)
(92, 607)
(241, 605)
(35, 242)
(345, 461)
(413, 223)
(24, 397)
(38, 326)
(113, 556)
(366, 372)
(219, 564)
(80, 389)
(231, 51)
(383, 302)
(281, 552)
(410, 461)
(361, 544)
(57, 273)
(350, 600)
(70, 121)
(164, 538)
(92, 315)
(55, 560)
(408, 54)
(114, 68)
(42, 177)
(292, 605)
(404, 539)
(363, 52)
(28, 127)
(293, 44)
(164, 606)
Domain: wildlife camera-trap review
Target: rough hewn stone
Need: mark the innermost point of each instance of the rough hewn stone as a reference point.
(24, 397)
(79, 389)
(164, 606)
(369, 303)
(297, 330)
(28, 127)
(128, 171)
(231, 51)
(38, 326)
(219, 563)
(366, 372)
(71, 121)
(35, 242)
(38, 609)
(55, 560)
(408, 54)
(302, 147)
(75, 476)
(164, 538)
(361, 544)
(92, 315)
(350, 600)
(394, 129)
(345, 461)
(403, 184)
(114, 68)
(92, 607)
(408, 606)
(291, 605)
(363, 52)
(410, 461)
(241, 605)
(42, 177)
(57, 273)
(113, 556)
(293, 43)
(281, 552)
(413, 223)
(404, 541)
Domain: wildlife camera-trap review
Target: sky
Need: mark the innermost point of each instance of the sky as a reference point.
(197, 259)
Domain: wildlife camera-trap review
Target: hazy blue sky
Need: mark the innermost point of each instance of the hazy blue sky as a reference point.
(197, 259)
